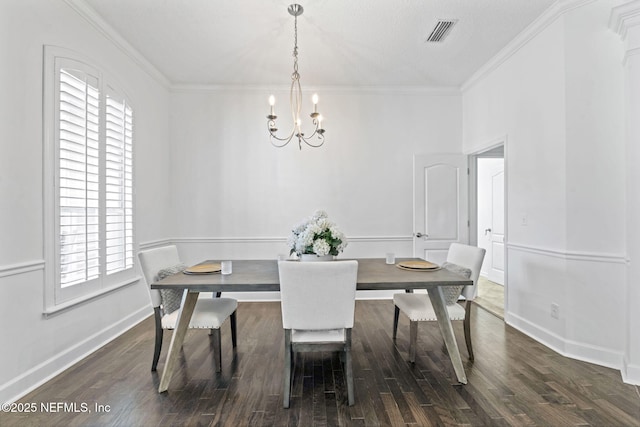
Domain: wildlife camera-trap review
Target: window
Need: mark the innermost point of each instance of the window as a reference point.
(88, 182)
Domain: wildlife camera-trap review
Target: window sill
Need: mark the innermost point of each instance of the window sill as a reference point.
(59, 308)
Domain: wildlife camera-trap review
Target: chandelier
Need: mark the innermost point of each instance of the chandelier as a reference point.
(316, 139)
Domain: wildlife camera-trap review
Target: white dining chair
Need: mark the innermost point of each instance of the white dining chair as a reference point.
(462, 259)
(318, 304)
(209, 313)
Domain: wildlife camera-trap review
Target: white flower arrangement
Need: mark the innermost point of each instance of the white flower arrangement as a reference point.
(317, 235)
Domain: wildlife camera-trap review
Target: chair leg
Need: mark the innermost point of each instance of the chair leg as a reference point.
(217, 349)
(349, 368)
(287, 368)
(413, 340)
(467, 328)
(232, 319)
(396, 315)
(159, 335)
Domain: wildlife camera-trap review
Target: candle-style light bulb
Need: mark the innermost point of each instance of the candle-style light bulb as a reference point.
(320, 121)
(272, 101)
(314, 99)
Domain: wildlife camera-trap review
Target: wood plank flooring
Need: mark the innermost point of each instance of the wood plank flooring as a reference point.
(490, 297)
(514, 381)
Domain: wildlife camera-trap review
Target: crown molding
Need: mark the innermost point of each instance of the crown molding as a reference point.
(625, 16)
(401, 90)
(92, 17)
(556, 10)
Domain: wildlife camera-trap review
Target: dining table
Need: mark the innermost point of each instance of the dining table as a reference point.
(262, 276)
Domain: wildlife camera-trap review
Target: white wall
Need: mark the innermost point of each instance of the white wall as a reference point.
(595, 182)
(235, 194)
(633, 199)
(625, 22)
(558, 98)
(33, 347)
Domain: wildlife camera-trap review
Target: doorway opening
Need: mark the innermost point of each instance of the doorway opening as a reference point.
(489, 226)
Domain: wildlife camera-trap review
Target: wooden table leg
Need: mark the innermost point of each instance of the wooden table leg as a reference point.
(187, 306)
(437, 301)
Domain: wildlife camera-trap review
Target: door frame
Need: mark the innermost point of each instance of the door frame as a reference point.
(487, 151)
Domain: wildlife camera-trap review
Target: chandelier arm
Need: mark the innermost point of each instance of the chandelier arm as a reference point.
(273, 136)
(314, 145)
(296, 131)
(307, 140)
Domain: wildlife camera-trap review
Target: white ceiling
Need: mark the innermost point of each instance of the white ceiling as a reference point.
(353, 43)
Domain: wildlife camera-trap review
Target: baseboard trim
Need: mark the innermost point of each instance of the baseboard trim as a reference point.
(26, 382)
(567, 348)
(630, 373)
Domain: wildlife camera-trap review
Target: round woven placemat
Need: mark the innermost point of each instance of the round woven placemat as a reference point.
(418, 265)
(203, 269)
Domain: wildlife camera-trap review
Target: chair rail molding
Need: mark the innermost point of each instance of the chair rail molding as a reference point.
(228, 240)
(569, 255)
(153, 244)
(256, 239)
(21, 268)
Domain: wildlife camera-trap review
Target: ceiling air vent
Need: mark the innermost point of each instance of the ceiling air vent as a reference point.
(441, 30)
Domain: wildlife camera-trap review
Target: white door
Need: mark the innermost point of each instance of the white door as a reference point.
(491, 217)
(440, 200)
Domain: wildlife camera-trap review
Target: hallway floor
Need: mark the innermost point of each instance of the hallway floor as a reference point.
(490, 297)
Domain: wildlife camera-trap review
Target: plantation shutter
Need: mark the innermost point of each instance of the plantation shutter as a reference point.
(88, 182)
(119, 184)
(79, 177)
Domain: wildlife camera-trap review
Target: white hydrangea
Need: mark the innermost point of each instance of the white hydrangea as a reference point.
(317, 235)
(321, 247)
(319, 214)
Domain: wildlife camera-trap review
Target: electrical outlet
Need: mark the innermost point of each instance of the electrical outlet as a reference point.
(555, 310)
(524, 221)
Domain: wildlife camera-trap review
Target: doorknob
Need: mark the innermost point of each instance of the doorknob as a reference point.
(488, 230)
(419, 235)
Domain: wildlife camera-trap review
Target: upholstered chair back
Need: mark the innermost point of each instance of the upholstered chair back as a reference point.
(154, 260)
(318, 295)
(470, 257)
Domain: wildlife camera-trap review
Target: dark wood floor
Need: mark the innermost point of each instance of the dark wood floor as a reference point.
(513, 381)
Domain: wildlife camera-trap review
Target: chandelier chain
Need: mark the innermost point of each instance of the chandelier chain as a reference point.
(295, 74)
